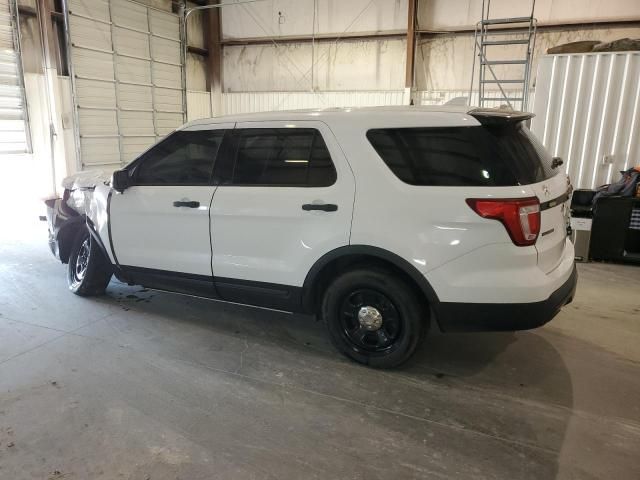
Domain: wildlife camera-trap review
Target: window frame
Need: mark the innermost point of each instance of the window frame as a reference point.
(134, 166)
(230, 150)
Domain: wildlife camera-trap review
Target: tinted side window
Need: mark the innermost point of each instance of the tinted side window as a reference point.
(184, 158)
(282, 157)
(530, 161)
(460, 156)
(463, 156)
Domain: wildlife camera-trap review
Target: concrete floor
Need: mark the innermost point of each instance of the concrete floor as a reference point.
(144, 385)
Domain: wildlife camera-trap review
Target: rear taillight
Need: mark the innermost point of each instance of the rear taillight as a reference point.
(520, 216)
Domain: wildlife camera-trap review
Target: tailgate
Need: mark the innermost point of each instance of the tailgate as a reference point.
(532, 166)
(554, 195)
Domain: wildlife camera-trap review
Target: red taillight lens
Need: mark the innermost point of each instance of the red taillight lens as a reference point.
(520, 216)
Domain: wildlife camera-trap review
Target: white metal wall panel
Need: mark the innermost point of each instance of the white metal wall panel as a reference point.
(135, 97)
(129, 14)
(100, 151)
(164, 24)
(92, 64)
(134, 70)
(165, 75)
(134, 146)
(89, 33)
(95, 121)
(168, 99)
(134, 50)
(96, 93)
(165, 50)
(136, 123)
(198, 104)
(166, 122)
(586, 109)
(244, 102)
(131, 42)
(13, 125)
(94, 9)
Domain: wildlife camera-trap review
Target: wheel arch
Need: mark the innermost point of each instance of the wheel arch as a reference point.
(350, 256)
(68, 232)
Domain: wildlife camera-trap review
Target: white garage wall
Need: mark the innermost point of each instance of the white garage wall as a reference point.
(272, 18)
(587, 112)
(444, 62)
(460, 14)
(127, 77)
(346, 65)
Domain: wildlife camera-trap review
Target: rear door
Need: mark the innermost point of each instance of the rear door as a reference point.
(285, 198)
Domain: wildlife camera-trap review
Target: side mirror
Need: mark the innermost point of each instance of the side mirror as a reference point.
(556, 162)
(120, 180)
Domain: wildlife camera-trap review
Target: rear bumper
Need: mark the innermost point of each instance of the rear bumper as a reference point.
(479, 317)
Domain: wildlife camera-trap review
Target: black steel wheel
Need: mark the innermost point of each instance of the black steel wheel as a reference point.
(370, 320)
(374, 317)
(88, 271)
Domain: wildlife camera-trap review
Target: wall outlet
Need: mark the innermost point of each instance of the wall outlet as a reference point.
(607, 159)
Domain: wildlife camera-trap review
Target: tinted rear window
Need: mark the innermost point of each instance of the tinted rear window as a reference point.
(463, 156)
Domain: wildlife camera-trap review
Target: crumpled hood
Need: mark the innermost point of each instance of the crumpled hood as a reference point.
(86, 179)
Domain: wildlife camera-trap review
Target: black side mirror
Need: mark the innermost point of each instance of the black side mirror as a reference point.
(556, 162)
(120, 180)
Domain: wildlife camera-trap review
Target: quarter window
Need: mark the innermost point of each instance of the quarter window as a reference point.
(183, 158)
(463, 156)
(282, 157)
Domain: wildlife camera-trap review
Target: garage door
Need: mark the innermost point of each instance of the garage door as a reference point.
(13, 124)
(126, 61)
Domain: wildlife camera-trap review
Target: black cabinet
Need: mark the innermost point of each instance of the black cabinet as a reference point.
(611, 237)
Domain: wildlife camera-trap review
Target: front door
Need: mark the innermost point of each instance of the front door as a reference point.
(160, 225)
(285, 198)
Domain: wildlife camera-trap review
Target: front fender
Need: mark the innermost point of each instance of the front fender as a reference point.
(64, 224)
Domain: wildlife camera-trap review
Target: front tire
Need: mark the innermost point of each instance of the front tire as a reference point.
(374, 317)
(88, 272)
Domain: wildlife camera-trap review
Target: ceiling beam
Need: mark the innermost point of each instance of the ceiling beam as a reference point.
(309, 38)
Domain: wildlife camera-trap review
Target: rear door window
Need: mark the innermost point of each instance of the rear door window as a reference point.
(277, 157)
(463, 156)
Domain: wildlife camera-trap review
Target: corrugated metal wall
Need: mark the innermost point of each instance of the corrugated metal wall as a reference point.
(13, 124)
(198, 104)
(244, 102)
(586, 108)
(127, 78)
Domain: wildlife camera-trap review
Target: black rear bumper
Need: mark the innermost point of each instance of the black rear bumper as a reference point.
(487, 317)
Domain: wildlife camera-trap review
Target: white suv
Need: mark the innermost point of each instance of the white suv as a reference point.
(381, 221)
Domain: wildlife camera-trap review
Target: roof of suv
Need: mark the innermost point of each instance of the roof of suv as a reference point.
(453, 113)
(324, 113)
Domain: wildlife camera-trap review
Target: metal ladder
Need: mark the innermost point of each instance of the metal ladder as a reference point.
(491, 33)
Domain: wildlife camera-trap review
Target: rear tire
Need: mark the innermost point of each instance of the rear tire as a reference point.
(88, 272)
(374, 317)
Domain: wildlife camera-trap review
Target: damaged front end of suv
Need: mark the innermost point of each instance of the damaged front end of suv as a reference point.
(81, 208)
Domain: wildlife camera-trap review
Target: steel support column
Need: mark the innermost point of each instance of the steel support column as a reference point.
(411, 45)
(213, 43)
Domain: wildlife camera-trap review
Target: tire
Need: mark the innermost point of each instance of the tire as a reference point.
(374, 317)
(88, 272)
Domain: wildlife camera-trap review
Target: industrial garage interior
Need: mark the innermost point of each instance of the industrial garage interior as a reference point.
(142, 383)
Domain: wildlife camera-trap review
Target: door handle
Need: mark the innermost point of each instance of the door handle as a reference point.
(186, 203)
(325, 207)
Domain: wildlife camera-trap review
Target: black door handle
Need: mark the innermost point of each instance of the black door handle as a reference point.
(188, 204)
(325, 207)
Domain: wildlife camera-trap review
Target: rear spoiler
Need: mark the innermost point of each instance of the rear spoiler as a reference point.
(499, 116)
